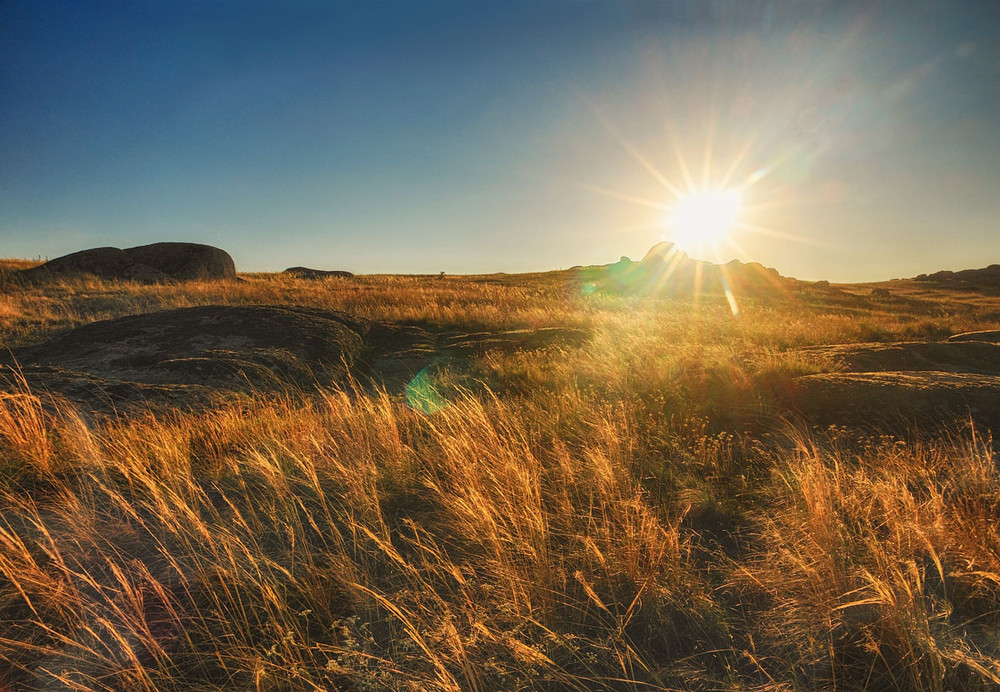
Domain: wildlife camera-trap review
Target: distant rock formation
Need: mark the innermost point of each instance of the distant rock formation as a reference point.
(307, 273)
(155, 263)
(667, 269)
(664, 252)
(986, 279)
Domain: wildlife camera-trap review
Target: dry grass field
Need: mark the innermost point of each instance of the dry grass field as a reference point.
(639, 510)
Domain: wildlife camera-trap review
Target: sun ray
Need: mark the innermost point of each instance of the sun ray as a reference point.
(641, 201)
(703, 218)
(727, 289)
(637, 227)
(630, 149)
(698, 272)
(663, 97)
(706, 169)
(740, 250)
(783, 235)
(773, 204)
(734, 166)
(673, 263)
(681, 163)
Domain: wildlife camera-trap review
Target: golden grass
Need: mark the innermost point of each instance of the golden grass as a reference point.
(626, 515)
(32, 312)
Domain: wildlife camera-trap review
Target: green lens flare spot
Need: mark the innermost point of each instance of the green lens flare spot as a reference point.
(421, 394)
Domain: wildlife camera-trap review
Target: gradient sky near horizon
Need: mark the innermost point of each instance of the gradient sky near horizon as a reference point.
(474, 136)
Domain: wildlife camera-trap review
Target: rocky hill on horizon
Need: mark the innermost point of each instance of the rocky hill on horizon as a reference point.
(985, 279)
(666, 268)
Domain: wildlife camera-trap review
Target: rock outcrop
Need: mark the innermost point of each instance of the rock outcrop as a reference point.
(307, 273)
(908, 356)
(988, 335)
(912, 399)
(185, 261)
(666, 269)
(103, 262)
(192, 356)
(986, 279)
(155, 263)
(907, 383)
(164, 356)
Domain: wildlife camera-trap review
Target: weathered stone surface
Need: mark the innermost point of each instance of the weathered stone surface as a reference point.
(185, 261)
(199, 350)
(986, 279)
(398, 352)
(971, 356)
(915, 398)
(156, 263)
(515, 340)
(908, 383)
(989, 335)
(103, 262)
(307, 273)
(101, 394)
(195, 355)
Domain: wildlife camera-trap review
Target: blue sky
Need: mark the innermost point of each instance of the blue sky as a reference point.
(473, 136)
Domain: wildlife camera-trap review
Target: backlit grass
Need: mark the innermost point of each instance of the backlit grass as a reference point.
(633, 514)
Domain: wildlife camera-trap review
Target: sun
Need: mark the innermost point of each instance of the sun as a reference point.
(703, 219)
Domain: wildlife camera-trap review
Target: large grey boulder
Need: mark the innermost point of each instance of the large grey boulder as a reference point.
(102, 262)
(156, 263)
(185, 261)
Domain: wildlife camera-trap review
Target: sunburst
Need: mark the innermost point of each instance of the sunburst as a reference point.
(704, 218)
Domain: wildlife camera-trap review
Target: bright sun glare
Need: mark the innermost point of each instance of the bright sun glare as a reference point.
(703, 219)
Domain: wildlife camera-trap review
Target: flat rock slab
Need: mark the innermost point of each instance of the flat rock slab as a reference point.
(397, 353)
(515, 340)
(877, 398)
(217, 348)
(307, 273)
(102, 394)
(973, 356)
(989, 335)
(194, 355)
